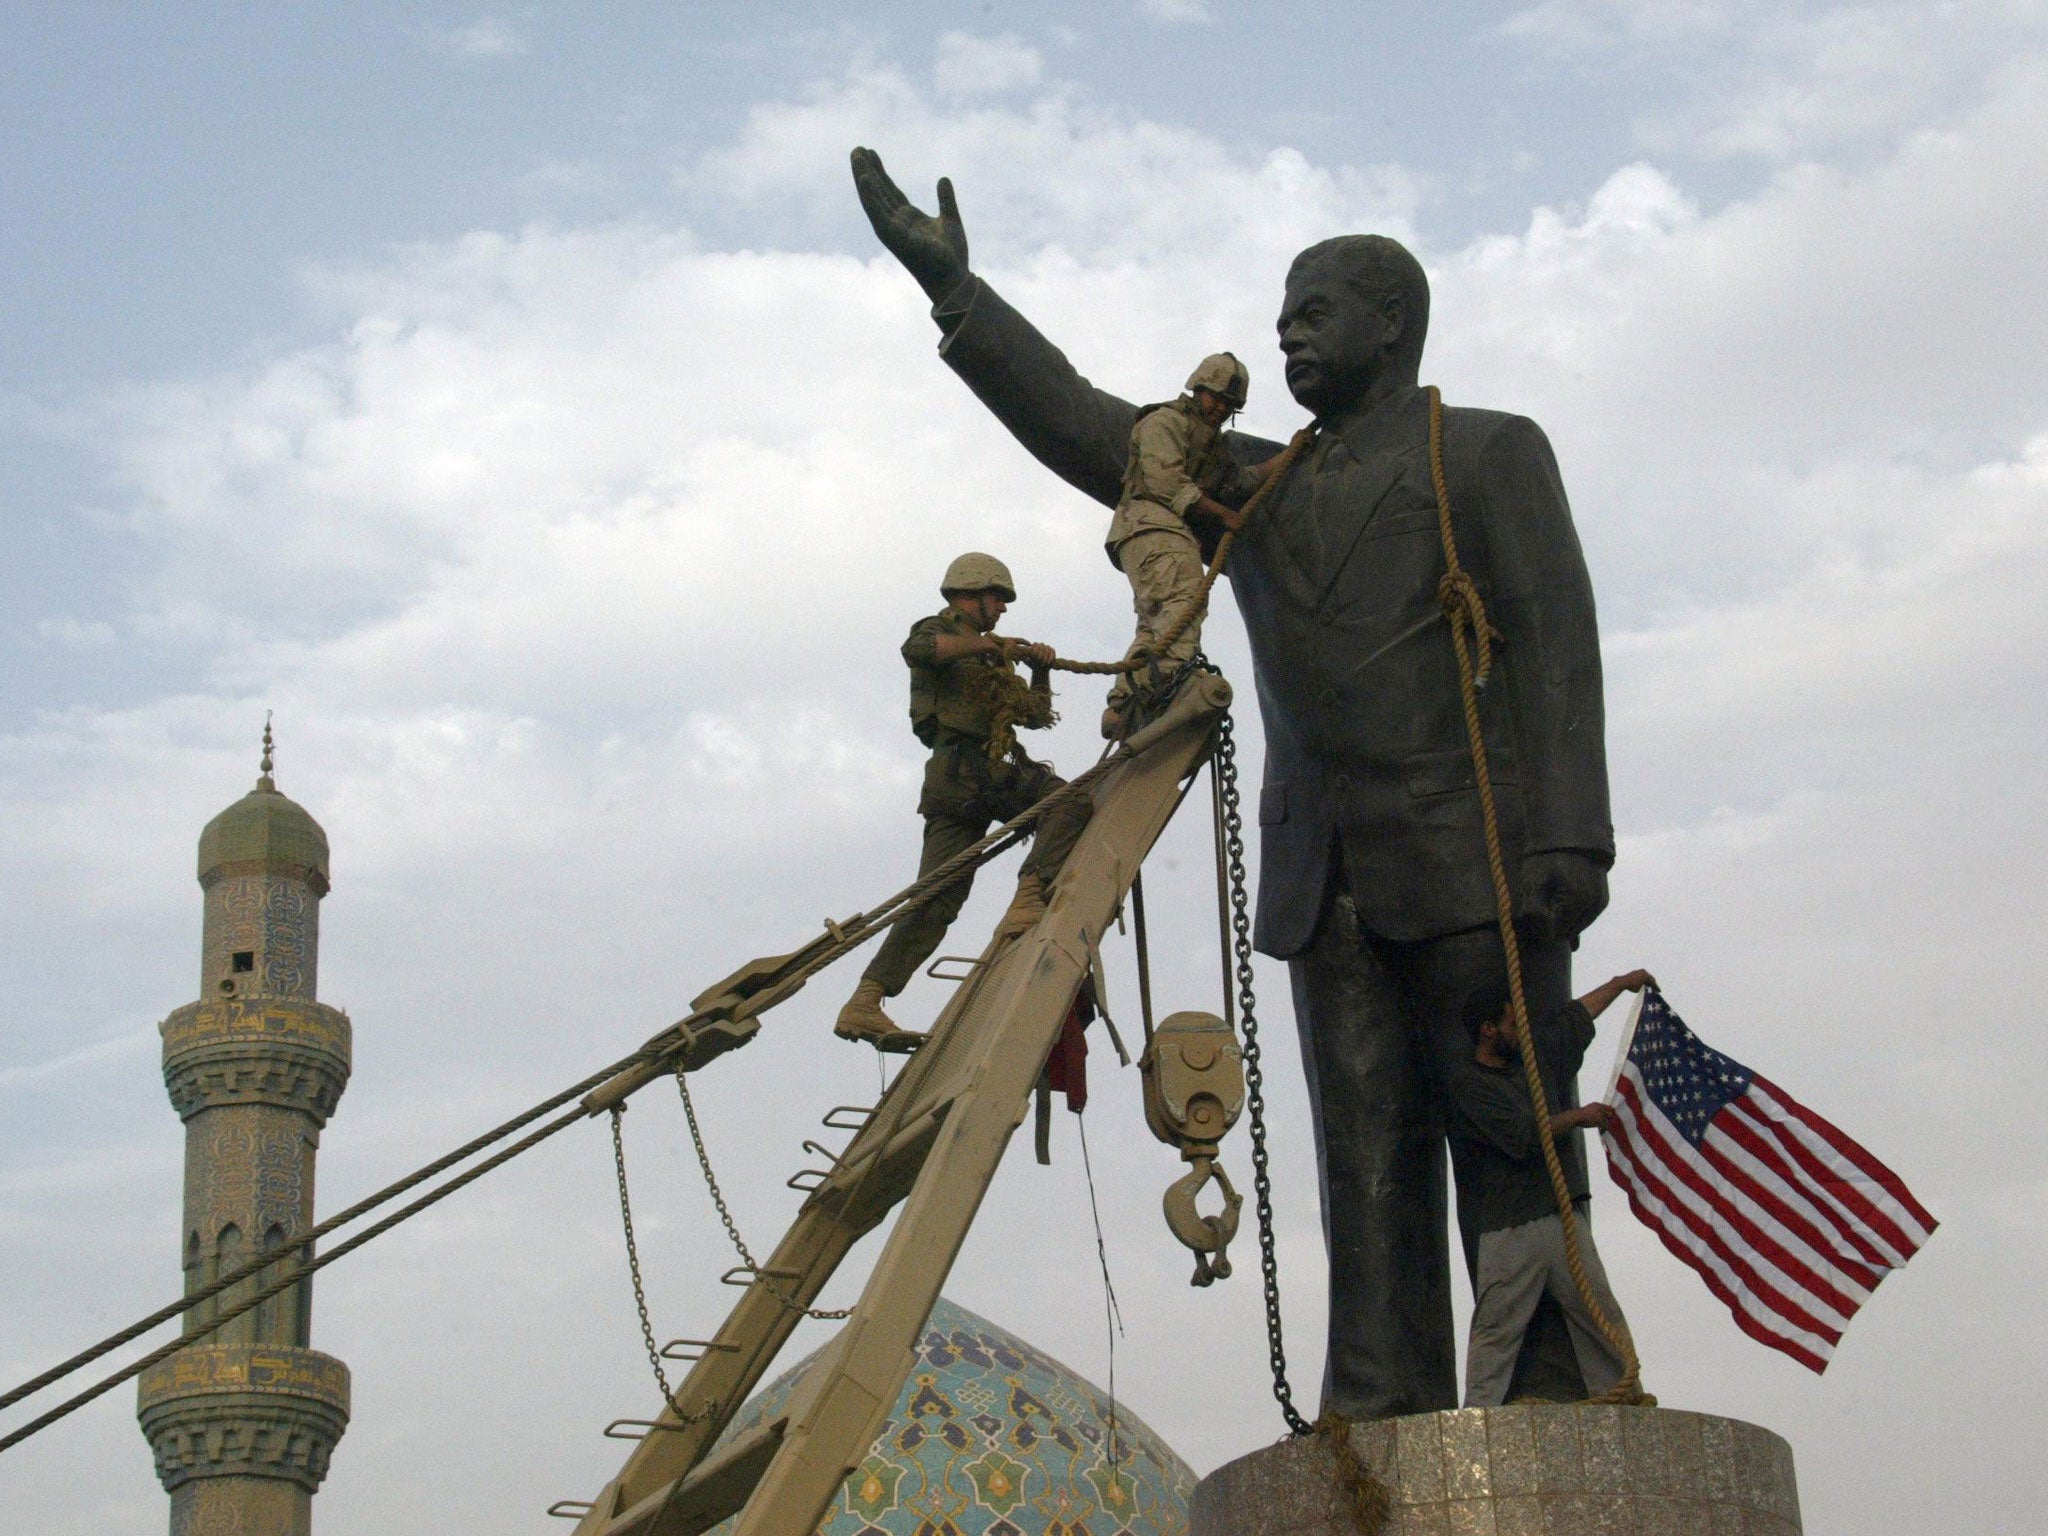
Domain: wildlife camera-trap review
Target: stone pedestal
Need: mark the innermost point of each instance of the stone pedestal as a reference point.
(1539, 1470)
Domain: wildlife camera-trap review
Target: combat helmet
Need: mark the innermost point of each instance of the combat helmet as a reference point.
(976, 572)
(1222, 374)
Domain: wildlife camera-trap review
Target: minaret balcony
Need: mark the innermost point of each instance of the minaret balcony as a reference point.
(244, 1410)
(289, 1052)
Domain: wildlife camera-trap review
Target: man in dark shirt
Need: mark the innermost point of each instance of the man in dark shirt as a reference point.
(1499, 1155)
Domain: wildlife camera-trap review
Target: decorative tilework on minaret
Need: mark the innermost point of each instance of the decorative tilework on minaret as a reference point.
(243, 1422)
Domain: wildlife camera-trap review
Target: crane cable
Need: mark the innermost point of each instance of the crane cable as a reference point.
(848, 936)
(299, 1272)
(235, 1277)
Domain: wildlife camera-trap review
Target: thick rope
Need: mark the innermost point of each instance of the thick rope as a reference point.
(1469, 631)
(1296, 447)
(1371, 1501)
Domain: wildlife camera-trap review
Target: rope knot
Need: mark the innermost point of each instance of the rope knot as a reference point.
(1458, 595)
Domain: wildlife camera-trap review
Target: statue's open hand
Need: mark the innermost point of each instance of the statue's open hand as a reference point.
(934, 250)
(1563, 890)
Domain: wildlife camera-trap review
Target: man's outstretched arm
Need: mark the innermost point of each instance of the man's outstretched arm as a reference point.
(1597, 1001)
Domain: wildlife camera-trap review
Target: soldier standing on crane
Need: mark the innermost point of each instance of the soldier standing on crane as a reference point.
(1176, 468)
(965, 697)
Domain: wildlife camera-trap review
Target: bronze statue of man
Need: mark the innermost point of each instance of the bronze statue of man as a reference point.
(1374, 884)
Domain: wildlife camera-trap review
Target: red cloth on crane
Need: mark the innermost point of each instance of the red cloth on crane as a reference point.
(1066, 1069)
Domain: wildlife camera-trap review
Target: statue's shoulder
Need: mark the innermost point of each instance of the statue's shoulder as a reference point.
(1480, 424)
(1478, 436)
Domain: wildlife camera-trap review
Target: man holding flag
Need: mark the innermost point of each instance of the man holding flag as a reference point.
(1790, 1223)
(1504, 1190)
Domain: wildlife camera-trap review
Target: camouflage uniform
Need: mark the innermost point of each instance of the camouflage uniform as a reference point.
(1175, 459)
(965, 792)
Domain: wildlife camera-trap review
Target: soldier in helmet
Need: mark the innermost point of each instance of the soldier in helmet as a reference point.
(964, 698)
(1175, 469)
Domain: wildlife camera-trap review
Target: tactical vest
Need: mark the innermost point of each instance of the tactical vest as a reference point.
(937, 702)
(924, 703)
(978, 699)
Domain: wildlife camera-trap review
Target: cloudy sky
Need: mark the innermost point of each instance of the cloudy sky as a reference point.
(517, 404)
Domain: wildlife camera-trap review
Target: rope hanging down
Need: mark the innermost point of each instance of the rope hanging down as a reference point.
(1470, 631)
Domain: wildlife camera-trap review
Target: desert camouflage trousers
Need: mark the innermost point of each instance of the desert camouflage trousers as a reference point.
(952, 826)
(1165, 571)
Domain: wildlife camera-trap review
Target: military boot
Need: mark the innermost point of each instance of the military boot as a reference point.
(862, 1019)
(1026, 908)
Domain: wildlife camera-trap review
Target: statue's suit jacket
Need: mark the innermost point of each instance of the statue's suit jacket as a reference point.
(1336, 576)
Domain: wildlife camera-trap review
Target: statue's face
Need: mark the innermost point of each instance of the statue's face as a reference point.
(1336, 340)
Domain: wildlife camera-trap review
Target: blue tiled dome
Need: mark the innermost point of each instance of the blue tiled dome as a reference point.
(992, 1437)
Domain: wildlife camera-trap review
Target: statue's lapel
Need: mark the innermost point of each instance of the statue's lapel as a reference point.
(1352, 500)
(1294, 516)
(1373, 454)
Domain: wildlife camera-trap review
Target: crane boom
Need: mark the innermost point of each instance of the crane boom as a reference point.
(932, 1145)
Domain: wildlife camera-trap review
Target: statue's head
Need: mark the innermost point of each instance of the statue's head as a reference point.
(1356, 311)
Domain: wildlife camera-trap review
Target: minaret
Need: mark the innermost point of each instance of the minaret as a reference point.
(244, 1421)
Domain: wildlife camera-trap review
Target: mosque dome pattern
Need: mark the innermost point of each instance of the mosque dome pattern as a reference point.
(992, 1437)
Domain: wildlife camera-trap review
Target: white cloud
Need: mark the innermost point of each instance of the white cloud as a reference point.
(967, 65)
(77, 634)
(1059, 176)
(1586, 25)
(488, 37)
(1760, 78)
(97, 1055)
(1178, 11)
(574, 563)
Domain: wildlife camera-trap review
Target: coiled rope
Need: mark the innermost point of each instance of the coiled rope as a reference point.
(1470, 631)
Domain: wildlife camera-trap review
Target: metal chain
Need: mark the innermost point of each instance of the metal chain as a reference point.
(732, 1227)
(633, 1264)
(1254, 1076)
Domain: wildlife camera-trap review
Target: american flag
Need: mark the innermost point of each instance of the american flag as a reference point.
(1787, 1220)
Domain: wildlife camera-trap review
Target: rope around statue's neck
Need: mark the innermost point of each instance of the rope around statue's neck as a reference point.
(1470, 631)
(1296, 447)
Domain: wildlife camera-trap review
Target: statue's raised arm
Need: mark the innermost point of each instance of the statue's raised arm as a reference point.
(1079, 432)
